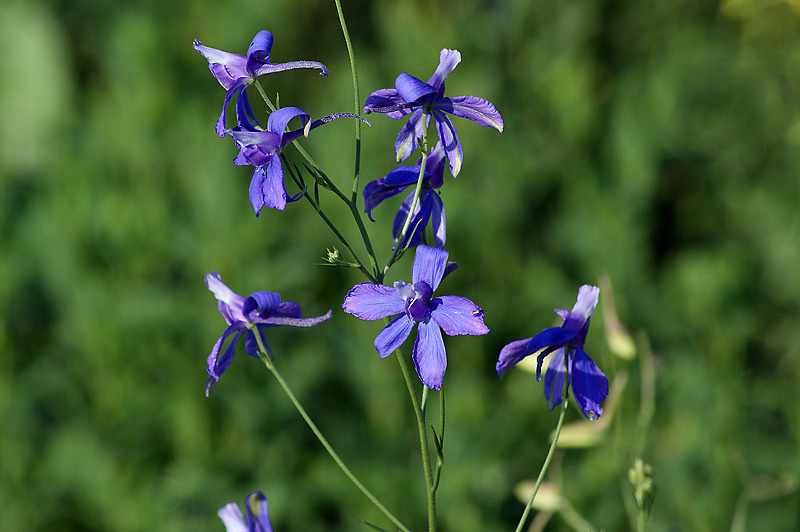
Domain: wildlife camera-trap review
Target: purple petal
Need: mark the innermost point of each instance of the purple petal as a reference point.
(407, 139)
(245, 117)
(279, 119)
(554, 379)
(510, 355)
(227, 68)
(448, 59)
(235, 89)
(429, 355)
(458, 315)
(550, 337)
(288, 309)
(259, 49)
(419, 220)
(437, 217)
(256, 146)
(294, 322)
(257, 512)
(232, 517)
(216, 364)
(412, 89)
(230, 302)
(260, 304)
(251, 346)
(370, 301)
(394, 183)
(387, 101)
(584, 307)
(589, 385)
(429, 265)
(274, 190)
(257, 184)
(449, 139)
(472, 108)
(393, 335)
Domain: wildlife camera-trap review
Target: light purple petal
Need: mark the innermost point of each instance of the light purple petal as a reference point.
(448, 59)
(271, 68)
(448, 136)
(257, 512)
(227, 68)
(370, 301)
(407, 139)
(511, 354)
(412, 89)
(393, 335)
(472, 108)
(232, 301)
(232, 517)
(458, 315)
(429, 265)
(584, 307)
(383, 99)
(589, 384)
(429, 355)
(554, 379)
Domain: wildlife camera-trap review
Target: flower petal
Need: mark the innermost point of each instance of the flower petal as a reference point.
(429, 355)
(589, 384)
(387, 101)
(554, 379)
(393, 335)
(271, 68)
(294, 322)
(429, 265)
(370, 301)
(279, 119)
(553, 336)
(448, 136)
(231, 303)
(227, 68)
(511, 354)
(407, 139)
(219, 128)
(257, 512)
(413, 90)
(458, 315)
(578, 319)
(216, 364)
(448, 59)
(472, 108)
(274, 190)
(232, 517)
(260, 304)
(259, 50)
(251, 346)
(438, 220)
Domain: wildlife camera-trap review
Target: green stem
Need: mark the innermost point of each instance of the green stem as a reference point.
(271, 367)
(423, 442)
(552, 450)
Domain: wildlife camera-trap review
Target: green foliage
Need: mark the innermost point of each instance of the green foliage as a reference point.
(654, 141)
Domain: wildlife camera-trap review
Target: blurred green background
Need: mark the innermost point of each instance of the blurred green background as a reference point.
(655, 142)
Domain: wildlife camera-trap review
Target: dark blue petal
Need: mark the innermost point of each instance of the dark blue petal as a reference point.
(251, 346)
(259, 50)
(393, 335)
(260, 304)
(413, 90)
(216, 364)
(245, 117)
(430, 358)
(511, 354)
(257, 513)
(589, 384)
(429, 265)
(288, 309)
(370, 301)
(554, 379)
(256, 188)
(458, 315)
(553, 336)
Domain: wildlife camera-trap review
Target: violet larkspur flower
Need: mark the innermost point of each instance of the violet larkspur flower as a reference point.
(589, 385)
(429, 207)
(235, 72)
(256, 518)
(261, 149)
(415, 303)
(411, 95)
(246, 316)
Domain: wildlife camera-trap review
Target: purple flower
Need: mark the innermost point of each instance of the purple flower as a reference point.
(415, 304)
(589, 385)
(429, 207)
(235, 72)
(411, 95)
(257, 312)
(257, 519)
(261, 149)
